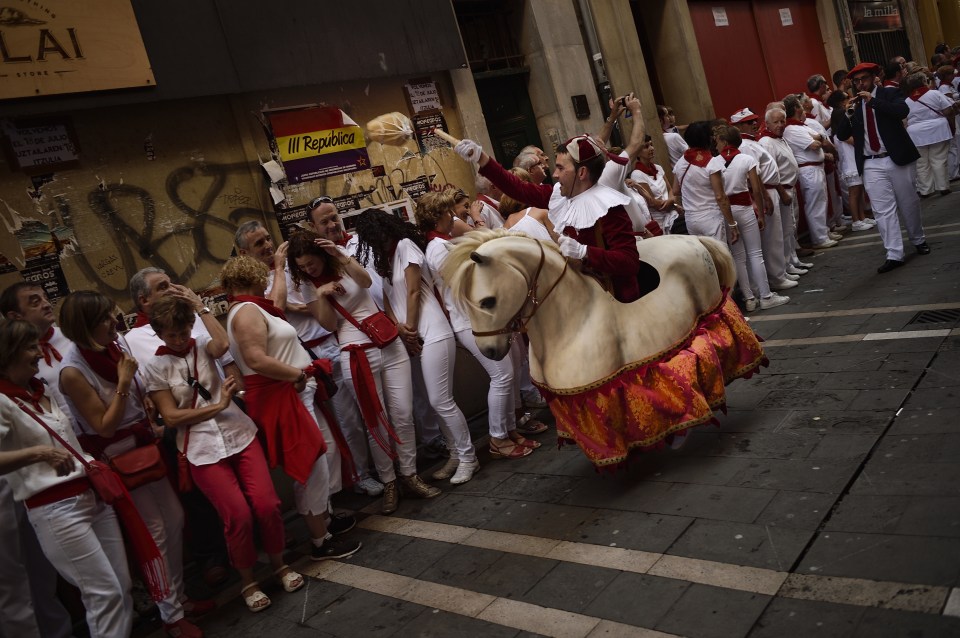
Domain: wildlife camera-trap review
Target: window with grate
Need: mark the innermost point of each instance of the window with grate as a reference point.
(487, 28)
(881, 46)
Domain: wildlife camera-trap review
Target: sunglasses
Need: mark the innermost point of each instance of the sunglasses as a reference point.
(323, 199)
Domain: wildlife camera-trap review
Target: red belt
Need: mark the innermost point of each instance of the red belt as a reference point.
(810, 164)
(59, 492)
(741, 199)
(789, 187)
(771, 186)
(313, 343)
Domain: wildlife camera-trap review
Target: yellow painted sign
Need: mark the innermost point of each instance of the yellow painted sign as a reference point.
(52, 47)
(314, 143)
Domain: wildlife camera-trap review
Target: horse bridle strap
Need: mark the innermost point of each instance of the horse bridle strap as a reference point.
(518, 323)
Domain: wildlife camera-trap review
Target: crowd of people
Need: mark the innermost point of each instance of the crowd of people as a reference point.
(336, 361)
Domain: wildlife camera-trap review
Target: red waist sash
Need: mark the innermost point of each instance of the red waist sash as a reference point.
(59, 492)
(366, 387)
(741, 199)
(292, 437)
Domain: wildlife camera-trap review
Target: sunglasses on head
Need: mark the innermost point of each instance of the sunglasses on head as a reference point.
(323, 199)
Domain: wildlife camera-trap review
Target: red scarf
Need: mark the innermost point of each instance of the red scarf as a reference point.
(647, 169)
(434, 234)
(728, 153)
(162, 350)
(292, 437)
(747, 136)
(49, 352)
(813, 96)
(765, 132)
(891, 83)
(33, 395)
(265, 304)
(344, 240)
(698, 156)
(492, 203)
(916, 95)
(103, 362)
(143, 319)
(793, 122)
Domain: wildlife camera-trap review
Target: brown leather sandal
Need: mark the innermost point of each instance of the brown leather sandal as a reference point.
(517, 451)
(519, 439)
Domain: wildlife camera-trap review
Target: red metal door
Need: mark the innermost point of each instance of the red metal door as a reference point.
(753, 52)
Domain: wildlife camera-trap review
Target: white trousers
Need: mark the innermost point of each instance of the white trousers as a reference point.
(313, 497)
(789, 216)
(82, 539)
(161, 512)
(748, 254)
(771, 239)
(953, 157)
(834, 194)
(891, 191)
(932, 167)
(813, 184)
(707, 223)
(26, 612)
(500, 393)
(436, 365)
(391, 372)
(346, 410)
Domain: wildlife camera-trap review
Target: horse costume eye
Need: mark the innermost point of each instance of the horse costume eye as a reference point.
(488, 302)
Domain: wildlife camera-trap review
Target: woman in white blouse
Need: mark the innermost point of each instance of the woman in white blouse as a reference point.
(928, 125)
(396, 250)
(78, 533)
(219, 441)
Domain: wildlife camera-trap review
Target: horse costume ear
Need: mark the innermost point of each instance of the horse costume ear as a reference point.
(477, 257)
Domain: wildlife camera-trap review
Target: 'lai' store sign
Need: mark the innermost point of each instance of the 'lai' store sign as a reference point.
(51, 47)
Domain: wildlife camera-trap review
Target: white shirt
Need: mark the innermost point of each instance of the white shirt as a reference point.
(437, 251)
(821, 113)
(695, 187)
(433, 325)
(925, 124)
(846, 158)
(50, 374)
(736, 176)
(676, 147)
(143, 342)
(376, 284)
(658, 185)
(531, 226)
(18, 430)
(867, 149)
(282, 342)
(781, 152)
(615, 176)
(359, 303)
(226, 434)
(491, 216)
(308, 328)
(766, 165)
(800, 138)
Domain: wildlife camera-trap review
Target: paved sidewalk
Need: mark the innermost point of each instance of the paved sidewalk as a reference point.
(826, 504)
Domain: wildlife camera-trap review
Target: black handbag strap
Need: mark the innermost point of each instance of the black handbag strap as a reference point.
(59, 438)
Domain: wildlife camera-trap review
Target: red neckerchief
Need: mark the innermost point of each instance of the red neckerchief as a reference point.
(143, 319)
(793, 122)
(891, 83)
(765, 132)
(809, 115)
(324, 279)
(434, 234)
(492, 203)
(647, 169)
(162, 350)
(728, 153)
(33, 395)
(813, 96)
(49, 352)
(103, 362)
(916, 95)
(698, 156)
(747, 136)
(344, 240)
(265, 304)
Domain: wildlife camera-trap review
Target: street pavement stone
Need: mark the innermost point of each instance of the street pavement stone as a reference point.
(792, 618)
(362, 613)
(570, 586)
(797, 510)
(747, 544)
(712, 612)
(637, 599)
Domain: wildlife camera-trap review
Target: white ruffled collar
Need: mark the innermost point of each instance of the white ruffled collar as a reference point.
(583, 210)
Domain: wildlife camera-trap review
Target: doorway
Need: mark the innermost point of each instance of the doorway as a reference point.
(506, 107)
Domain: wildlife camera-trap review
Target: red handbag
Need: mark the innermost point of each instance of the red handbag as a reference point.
(139, 466)
(378, 326)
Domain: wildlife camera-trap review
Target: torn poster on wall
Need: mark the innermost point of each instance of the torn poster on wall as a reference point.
(41, 250)
(40, 145)
(317, 142)
(425, 127)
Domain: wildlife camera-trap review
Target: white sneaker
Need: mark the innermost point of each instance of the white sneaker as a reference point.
(783, 284)
(793, 270)
(834, 236)
(858, 226)
(830, 243)
(802, 264)
(773, 301)
(792, 277)
(750, 304)
(846, 219)
(369, 486)
(465, 472)
(445, 472)
(870, 220)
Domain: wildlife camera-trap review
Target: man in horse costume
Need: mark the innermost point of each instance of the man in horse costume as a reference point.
(625, 366)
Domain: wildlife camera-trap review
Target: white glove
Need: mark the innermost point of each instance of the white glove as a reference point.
(570, 247)
(469, 150)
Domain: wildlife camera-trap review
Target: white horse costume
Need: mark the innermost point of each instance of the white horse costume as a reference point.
(617, 376)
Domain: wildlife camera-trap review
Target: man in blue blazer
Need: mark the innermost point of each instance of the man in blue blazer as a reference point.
(886, 157)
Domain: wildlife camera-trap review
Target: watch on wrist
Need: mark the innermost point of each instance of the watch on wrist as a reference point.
(203, 311)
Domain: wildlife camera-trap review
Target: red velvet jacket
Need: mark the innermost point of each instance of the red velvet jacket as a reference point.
(617, 263)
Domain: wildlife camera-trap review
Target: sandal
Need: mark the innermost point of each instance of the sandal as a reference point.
(292, 581)
(257, 601)
(520, 440)
(517, 451)
(528, 425)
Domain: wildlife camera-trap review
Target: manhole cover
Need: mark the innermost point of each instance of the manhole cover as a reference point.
(927, 317)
